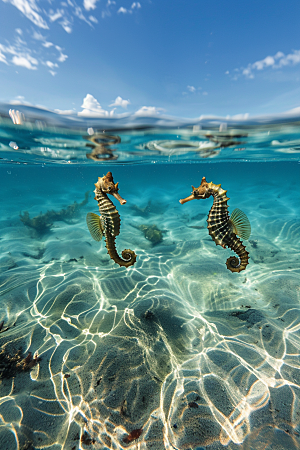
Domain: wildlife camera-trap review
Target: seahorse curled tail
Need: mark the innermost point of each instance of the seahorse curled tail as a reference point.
(128, 256)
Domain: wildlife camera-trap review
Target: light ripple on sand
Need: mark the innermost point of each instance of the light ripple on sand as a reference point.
(177, 345)
(182, 353)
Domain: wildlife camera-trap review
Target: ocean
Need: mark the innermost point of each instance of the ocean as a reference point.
(175, 351)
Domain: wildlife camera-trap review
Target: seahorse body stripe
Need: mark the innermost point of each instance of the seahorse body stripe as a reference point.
(109, 214)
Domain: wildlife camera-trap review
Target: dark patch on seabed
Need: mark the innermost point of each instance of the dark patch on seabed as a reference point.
(175, 352)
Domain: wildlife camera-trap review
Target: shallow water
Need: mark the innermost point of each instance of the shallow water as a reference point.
(177, 346)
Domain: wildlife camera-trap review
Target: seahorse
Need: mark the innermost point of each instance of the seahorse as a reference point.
(108, 223)
(223, 228)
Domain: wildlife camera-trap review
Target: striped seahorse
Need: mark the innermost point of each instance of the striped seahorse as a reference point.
(108, 223)
(223, 228)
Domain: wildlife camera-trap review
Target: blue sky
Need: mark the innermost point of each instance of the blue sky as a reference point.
(184, 58)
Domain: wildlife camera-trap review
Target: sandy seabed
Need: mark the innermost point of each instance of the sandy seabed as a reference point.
(175, 352)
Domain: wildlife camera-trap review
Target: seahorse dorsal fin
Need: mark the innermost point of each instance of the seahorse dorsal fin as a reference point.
(240, 223)
(95, 226)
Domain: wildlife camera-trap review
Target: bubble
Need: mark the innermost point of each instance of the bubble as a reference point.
(13, 145)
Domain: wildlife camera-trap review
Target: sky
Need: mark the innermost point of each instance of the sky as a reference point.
(183, 58)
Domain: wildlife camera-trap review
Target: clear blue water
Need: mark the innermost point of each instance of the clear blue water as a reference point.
(176, 346)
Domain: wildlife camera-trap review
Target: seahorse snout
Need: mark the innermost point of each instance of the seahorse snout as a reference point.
(118, 197)
(187, 199)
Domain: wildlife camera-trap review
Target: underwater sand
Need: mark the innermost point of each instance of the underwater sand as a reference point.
(177, 347)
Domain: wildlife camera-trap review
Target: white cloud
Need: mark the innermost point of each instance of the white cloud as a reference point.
(30, 10)
(66, 112)
(148, 111)
(92, 108)
(292, 58)
(66, 13)
(191, 88)
(107, 10)
(24, 56)
(89, 4)
(120, 102)
(51, 64)
(47, 44)
(89, 102)
(53, 16)
(248, 73)
(2, 57)
(38, 36)
(62, 57)
(135, 5)
(275, 62)
(25, 61)
(268, 61)
(294, 111)
(80, 15)
(20, 100)
(42, 15)
(66, 25)
(93, 19)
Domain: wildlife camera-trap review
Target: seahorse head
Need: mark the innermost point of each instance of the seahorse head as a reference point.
(198, 193)
(106, 184)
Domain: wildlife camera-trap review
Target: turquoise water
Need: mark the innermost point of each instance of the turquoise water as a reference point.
(175, 352)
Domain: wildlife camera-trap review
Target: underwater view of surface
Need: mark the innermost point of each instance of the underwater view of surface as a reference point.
(186, 348)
